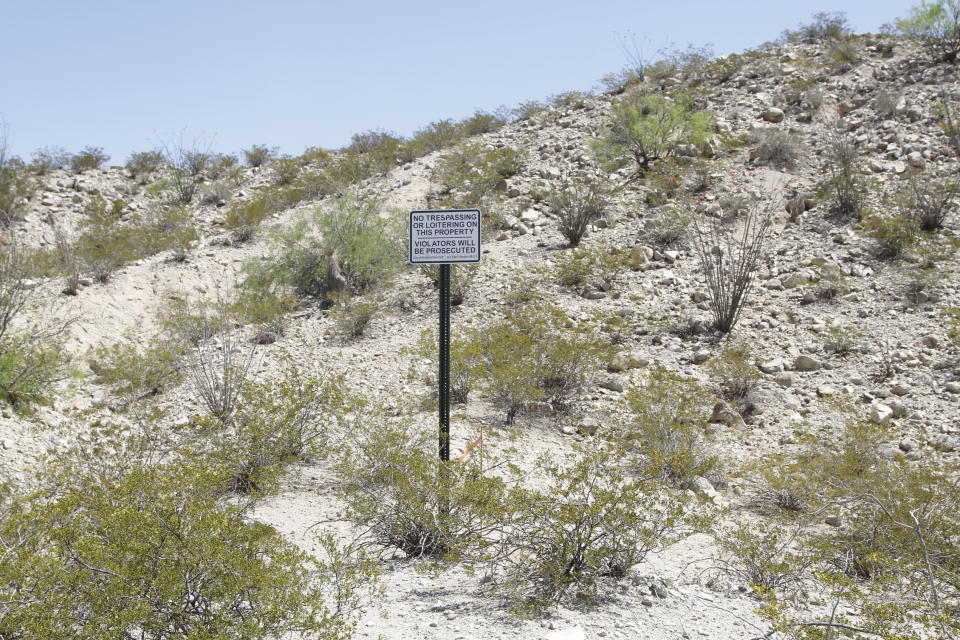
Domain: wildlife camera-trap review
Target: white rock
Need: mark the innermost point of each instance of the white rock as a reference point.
(572, 633)
(880, 413)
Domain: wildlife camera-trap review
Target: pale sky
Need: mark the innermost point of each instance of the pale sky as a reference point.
(128, 76)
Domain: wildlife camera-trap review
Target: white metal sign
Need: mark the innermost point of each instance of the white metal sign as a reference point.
(445, 237)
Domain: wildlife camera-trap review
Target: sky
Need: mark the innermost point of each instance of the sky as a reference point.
(132, 76)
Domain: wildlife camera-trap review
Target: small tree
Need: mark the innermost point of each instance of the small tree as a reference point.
(88, 158)
(645, 128)
(729, 257)
(936, 24)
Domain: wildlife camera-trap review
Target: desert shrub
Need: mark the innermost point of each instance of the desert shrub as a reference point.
(598, 264)
(276, 422)
(527, 110)
(894, 561)
(734, 372)
(472, 170)
(667, 415)
(846, 188)
(937, 24)
(466, 361)
(592, 520)
(461, 279)
(383, 150)
(30, 356)
(668, 225)
(841, 53)
(930, 202)
(345, 246)
(578, 206)
(136, 374)
(764, 556)
(47, 159)
(143, 163)
(285, 170)
(533, 357)
(433, 137)
(403, 499)
(16, 186)
(215, 193)
(823, 26)
(949, 124)
(894, 233)
(885, 103)
(831, 283)
(729, 258)
(188, 162)
(88, 158)
(645, 128)
(481, 122)
(151, 550)
(353, 314)
(775, 146)
(842, 339)
(259, 155)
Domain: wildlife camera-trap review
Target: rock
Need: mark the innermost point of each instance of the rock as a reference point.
(915, 159)
(806, 363)
(826, 391)
(880, 413)
(658, 588)
(593, 294)
(943, 443)
(612, 385)
(797, 279)
(639, 256)
(771, 366)
(671, 256)
(952, 387)
(572, 633)
(907, 445)
(701, 356)
(788, 400)
(899, 409)
(7, 444)
(589, 426)
(723, 413)
(773, 284)
(264, 337)
(702, 487)
(833, 521)
(899, 389)
(773, 115)
(568, 430)
(930, 341)
(627, 360)
(784, 379)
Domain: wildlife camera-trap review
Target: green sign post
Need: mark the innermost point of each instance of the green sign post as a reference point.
(445, 237)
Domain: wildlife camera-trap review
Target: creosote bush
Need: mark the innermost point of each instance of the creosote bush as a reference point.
(890, 569)
(735, 372)
(936, 23)
(667, 415)
(846, 188)
(259, 155)
(116, 541)
(472, 171)
(88, 158)
(775, 146)
(597, 264)
(143, 163)
(577, 207)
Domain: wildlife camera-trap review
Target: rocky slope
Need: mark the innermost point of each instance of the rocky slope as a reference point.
(896, 365)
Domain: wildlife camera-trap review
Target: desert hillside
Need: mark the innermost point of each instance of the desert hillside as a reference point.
(705, 377)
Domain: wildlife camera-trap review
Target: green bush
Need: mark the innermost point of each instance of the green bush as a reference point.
(144, 163)
(353, 315)
(285, 170)
(88, 158)
(893, 562)
(577, 207)
(137, 374)
(47, 159)
(846, 188)
(777, 147)
(403, 499)
(16, 187)
(734, 372)
(30, 356)
(645, 128)
(592, 520)
(824, 26)
(259, 155)
(532, 356)
(667, 415)
(668, 225)
(894, 234)
(151, 550)
(343, 247)
(598, 264)
(930, 202)
(937, 24)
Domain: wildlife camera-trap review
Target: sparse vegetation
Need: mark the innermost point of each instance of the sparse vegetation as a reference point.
(729, 258)
(259, 155)
(577, 207)
(88, 158)
(937, 24)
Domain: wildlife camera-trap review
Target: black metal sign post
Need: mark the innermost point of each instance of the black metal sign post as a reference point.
(444, 363)
(445, 238)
